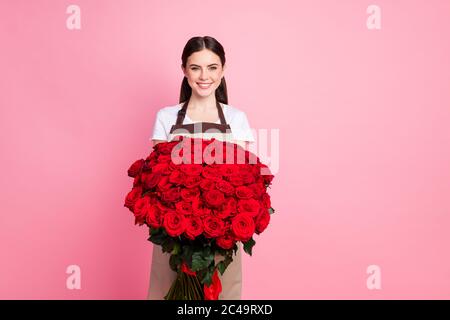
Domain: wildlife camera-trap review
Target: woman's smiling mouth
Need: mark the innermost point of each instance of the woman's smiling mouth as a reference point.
(204, 85)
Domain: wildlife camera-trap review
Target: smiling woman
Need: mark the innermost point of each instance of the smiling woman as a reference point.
(203, 111)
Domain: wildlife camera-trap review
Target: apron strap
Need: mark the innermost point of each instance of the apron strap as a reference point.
(182, 113)
(221, 116)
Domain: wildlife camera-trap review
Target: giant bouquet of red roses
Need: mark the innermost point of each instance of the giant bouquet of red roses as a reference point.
(199, 198)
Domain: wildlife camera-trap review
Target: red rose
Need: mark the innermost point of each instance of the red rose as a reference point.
(197, 208)
(140, 211)
(164, 158)
(171, 195)
(135, 168)
(194, 227)
(164, 148)
(172, 166)
(164, 184)
(203, 212)
(214, 198)
(151, 180)
(132, 197)
(255, 170)
(177, 177)
(154, 216)
(207, 184)
(206, 211)
(222, 214)
(243, 226)
(164, 209)
(162, 168)
(230, 204)
(213, 227)
(228, 170)
(244, 192)
(250, 206)
(265, 173)
(212, 173)
(266, 201)
(174, 224)
(226, 241)
(236, 180)
(137, 181)
(152, 157)
(262, 220)
(191, 169)
(248, 177)
(148, 165)
(258, 189)
(184, 208)
(225, 187)
(189, 194)
(192, 181)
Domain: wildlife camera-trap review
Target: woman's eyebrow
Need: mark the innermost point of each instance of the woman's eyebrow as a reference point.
(214, 64)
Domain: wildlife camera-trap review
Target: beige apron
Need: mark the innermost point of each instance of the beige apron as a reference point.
(161, 275)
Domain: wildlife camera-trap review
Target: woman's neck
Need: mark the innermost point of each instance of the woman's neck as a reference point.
(202, 104)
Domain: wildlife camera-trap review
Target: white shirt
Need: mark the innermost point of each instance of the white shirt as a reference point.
(166, 117)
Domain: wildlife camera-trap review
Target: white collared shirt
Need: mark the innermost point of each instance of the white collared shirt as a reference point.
(237, 119)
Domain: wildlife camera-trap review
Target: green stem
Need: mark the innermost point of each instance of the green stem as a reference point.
(185, 287)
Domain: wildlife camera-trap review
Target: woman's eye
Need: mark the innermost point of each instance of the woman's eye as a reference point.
(213, 68)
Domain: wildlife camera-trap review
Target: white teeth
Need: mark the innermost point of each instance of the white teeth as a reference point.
(204, 85)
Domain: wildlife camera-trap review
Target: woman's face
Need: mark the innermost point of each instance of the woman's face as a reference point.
(204, 72)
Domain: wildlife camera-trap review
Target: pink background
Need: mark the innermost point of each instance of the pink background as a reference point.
(364, 141)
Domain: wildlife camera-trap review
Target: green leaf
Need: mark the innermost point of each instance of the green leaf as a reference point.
(235, 248)
(174, 262)
(207, 250)
(186, 254)
(200, 260)
(271, 210)
(176, 248)
(249, 245)
(208, 278)
(168, 245)
(158, 236)
(206, 275)
(154, 231)
(222, 265)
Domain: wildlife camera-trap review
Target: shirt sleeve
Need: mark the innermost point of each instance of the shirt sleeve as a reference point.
(242, 130)
(159, 128)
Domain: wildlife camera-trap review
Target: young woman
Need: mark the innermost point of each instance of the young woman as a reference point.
(204, 112)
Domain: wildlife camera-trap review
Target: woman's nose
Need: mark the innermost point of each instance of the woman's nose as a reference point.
(204, 75)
